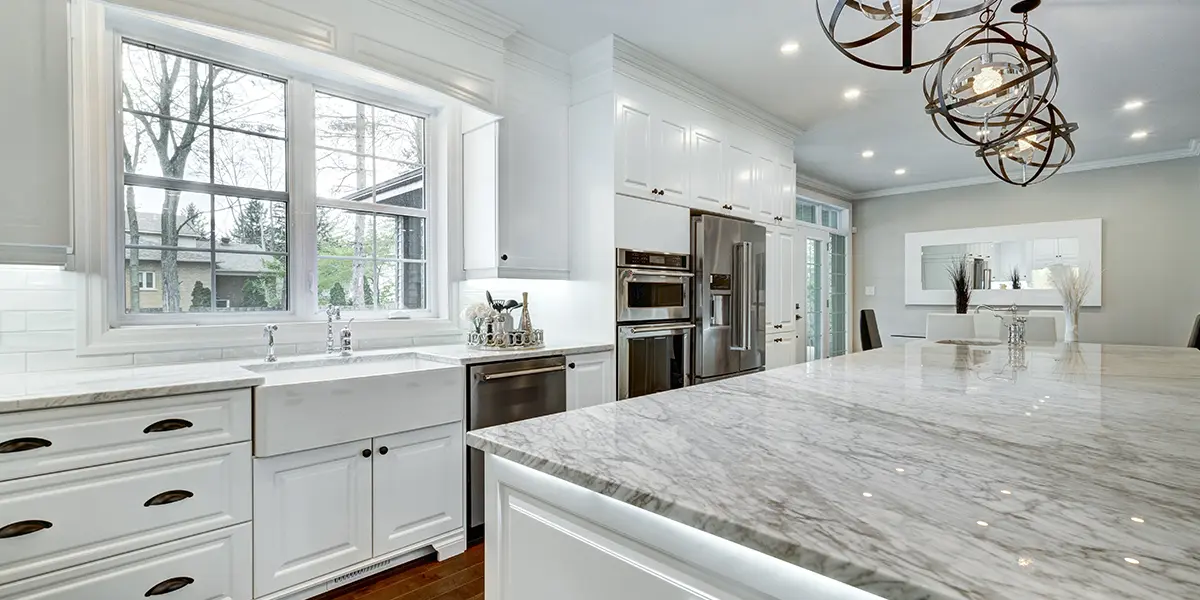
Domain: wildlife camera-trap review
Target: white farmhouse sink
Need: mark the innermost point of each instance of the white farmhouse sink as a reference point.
(321, 401)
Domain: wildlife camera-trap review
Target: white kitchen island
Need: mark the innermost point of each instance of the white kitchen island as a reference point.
(926, 471)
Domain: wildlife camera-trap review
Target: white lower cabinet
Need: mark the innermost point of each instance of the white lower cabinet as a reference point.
(591, 380)
(781, 350)
(418, 486)
(66, 519)
(312, 514)
(209, 566)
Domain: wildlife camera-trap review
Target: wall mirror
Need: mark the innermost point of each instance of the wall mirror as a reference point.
(1008, 264)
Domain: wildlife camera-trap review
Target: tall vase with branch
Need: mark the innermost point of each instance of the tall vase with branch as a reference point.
(1073, 286)
(960, 281)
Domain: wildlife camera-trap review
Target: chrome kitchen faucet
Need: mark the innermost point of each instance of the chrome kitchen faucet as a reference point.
(333, 313)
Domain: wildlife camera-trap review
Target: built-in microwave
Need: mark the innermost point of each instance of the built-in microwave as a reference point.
(653, 286)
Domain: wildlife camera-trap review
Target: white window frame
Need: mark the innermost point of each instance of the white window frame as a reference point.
(97, 182)
(142, 277)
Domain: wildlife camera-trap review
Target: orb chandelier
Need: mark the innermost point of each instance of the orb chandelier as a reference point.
(904, 15)
(992, 80)
(1041, 147)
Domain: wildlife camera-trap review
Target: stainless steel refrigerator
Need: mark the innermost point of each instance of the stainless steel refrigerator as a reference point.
(729, 258)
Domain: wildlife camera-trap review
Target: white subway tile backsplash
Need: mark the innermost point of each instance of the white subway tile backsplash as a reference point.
(50, 320)
(173, 357)
(66, 360)
(49, 279)
(36, 341)
(12, 363)
(251, 352)
(12, 321)
(12, 279)
(37, 300)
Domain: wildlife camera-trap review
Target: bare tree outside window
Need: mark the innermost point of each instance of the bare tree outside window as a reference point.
(205, 161)
(371, 256)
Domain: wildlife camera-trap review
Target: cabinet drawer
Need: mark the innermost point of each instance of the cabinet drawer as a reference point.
(210, 566)
(60, 439)
(66, 519)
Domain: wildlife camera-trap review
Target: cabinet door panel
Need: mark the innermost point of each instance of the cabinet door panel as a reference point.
(709, 190)
(590, 380)
(419, 481)
(786, 252)
(772, 269)
(671, 157)
(786, 208)
(634, 149)
(312, 514)
(740, 173)
(767, 189)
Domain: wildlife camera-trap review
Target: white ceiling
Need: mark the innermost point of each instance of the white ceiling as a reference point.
(1110, 51)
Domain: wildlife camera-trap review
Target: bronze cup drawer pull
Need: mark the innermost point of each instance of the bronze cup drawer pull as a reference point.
(21, 528)
(167, 425)
(23, 445)
(170, 497)
(171, 585)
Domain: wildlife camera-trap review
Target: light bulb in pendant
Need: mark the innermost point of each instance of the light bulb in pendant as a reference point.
(923, 11)
(988, 79)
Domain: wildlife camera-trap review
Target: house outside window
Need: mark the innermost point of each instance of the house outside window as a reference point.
(146, 280)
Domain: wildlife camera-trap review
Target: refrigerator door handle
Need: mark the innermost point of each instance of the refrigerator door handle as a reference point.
(742, 326)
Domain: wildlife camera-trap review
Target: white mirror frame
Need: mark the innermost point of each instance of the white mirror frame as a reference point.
(1089, 232)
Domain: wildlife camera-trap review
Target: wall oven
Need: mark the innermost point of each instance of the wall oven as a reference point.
(653, 286)
(653, 358)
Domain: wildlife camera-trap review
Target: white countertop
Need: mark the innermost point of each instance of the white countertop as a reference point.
(923, 471)
(33, 391)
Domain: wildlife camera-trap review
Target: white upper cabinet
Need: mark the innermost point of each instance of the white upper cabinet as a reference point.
(634, 148)
(786, 209)
(35, 158)
(766, 179)
(669, 145)
(710, 190)
(739, 170)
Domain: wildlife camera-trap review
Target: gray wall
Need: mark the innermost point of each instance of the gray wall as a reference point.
(1151, 245)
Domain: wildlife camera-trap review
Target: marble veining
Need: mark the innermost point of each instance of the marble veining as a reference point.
(923, 471)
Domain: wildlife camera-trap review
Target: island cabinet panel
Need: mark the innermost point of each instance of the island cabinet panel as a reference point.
(312, 514)
(418, 478)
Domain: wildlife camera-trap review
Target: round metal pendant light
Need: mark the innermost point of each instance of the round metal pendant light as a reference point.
(1042, 146)
(904, 15)
(993, 79)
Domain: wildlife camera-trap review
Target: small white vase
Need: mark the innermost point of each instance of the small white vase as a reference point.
(1071, 325)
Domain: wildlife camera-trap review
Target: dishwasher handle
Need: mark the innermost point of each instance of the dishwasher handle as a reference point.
(495, 376)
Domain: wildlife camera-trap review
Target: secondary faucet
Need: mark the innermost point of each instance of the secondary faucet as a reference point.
(332, 313)
(345, 338)
(269, 333)
(1016, 327)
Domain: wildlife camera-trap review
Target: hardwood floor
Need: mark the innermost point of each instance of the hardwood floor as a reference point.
(460, 578)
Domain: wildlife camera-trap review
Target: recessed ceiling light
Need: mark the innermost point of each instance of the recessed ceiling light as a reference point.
(867, 494)
(901, 171)
(1134, 104)
(1137, 519)
(789, 47)
(1132, 561)
(852, 94)
(981, 523)
(868, 153)
(1140, 135)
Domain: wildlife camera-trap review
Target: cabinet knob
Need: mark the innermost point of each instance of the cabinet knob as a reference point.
(662, 192)
(383, 450)
(654, 191)
(366, 453)
(571, 366)
(503, 257)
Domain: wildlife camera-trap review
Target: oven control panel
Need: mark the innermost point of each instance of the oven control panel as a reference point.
(653, 260)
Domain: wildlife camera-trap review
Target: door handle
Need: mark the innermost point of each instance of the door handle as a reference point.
(495, 376)
(661, 328)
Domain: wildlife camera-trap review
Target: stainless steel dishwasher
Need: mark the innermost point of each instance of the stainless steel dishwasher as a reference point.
(507, 392)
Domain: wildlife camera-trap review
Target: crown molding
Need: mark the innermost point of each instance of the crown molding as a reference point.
(459, 17)
(625, 52)
(1189, 151)
(817, 185)
(526, 53)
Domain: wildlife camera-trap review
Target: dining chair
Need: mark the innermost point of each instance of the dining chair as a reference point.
(1041, 329)
(869, 330)
(1060, 320)
(949, 327)
(1195, 341)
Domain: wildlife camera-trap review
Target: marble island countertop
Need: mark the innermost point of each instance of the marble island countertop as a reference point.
(35, 391)
(926, 471)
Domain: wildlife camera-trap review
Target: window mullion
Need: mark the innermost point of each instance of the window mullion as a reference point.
(302, 185)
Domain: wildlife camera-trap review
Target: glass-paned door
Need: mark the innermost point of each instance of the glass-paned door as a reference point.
(837, 295)
(812, 289)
